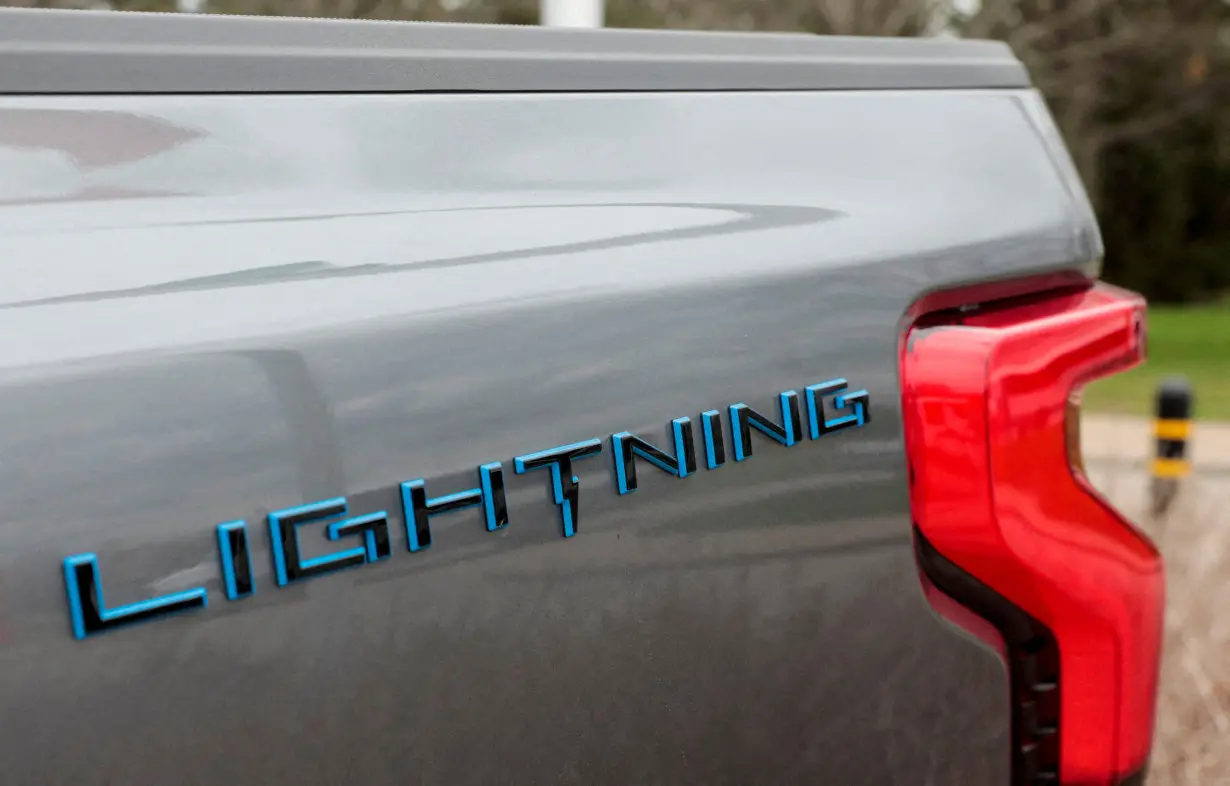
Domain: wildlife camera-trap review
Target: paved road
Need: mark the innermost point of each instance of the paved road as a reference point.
(1117, 451)
(1125, 439)
(1193, 721)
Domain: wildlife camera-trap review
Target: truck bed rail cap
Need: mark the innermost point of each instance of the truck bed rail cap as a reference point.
(108, 52)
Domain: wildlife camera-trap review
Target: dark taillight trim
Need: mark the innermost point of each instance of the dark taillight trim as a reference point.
(1031, 655)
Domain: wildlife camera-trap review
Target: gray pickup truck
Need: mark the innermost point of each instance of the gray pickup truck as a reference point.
(469, 405)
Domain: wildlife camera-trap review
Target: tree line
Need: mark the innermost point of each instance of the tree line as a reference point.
(1139, 88)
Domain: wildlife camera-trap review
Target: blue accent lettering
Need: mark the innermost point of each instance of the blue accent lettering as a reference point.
(82, 578)
(419, 509)
(627, 447)
(374, 527)
(743, 419)
(495, 509)
(88, 612)
(236, 584)
(715, 450)
(567, 494)
(818, 426)
(288, 564)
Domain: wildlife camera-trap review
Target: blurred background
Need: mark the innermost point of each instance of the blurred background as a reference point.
(1141, 91)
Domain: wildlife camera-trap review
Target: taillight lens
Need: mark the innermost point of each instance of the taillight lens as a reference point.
(991, 411)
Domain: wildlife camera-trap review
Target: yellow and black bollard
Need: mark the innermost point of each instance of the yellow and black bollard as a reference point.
(1173, 429)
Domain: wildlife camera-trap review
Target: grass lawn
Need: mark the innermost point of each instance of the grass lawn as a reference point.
(1193, 341)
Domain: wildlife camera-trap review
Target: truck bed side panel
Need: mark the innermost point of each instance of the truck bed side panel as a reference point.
(220, 306)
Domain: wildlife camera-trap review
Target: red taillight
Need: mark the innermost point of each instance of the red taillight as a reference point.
(988, 407)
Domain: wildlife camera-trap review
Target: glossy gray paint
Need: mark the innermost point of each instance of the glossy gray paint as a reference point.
(56, 51)
(218, 306)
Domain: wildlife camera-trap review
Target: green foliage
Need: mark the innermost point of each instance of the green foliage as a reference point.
(1165, 216)
(1193, 341)
(1164, 197)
